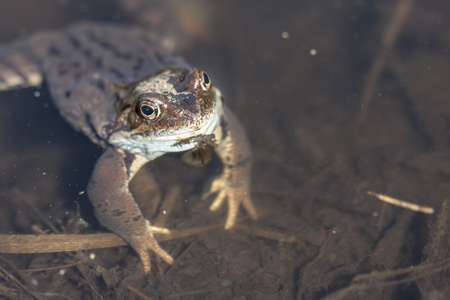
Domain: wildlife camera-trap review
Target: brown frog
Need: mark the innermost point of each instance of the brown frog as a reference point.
(138, 100)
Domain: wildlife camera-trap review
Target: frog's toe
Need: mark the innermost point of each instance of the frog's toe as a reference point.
(220, 198)
(217, 186)
(235, 196)
(233, 210)
(142, 244)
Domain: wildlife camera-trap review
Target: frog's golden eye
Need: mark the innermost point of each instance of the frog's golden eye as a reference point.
(205, 81)
(148, 109)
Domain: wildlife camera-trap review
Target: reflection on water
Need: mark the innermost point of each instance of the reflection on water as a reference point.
(295, 74)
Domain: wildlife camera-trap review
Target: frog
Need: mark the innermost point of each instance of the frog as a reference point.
(138, 99)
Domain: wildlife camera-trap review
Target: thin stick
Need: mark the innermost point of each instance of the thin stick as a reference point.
(401, 203)
(137, 292)
(53, 268)
(15, 243)
(389, 36)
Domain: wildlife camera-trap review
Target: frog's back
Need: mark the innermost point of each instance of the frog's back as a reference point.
(120, 54)
(85, 66)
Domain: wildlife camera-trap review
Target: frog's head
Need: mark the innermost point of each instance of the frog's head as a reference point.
(166, 111)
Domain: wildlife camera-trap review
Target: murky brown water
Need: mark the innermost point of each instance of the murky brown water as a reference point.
(295, 73)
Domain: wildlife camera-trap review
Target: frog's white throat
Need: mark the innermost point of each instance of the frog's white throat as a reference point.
(152, 147)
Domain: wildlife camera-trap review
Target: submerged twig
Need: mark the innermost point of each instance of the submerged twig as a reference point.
(15, 243)
(389, 36)
(401, 203)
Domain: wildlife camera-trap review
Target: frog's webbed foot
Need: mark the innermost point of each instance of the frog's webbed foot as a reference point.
(146, 242)
(235, 194)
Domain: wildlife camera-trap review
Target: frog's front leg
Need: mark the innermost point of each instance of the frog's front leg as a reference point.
(116, 208)
(234, 183)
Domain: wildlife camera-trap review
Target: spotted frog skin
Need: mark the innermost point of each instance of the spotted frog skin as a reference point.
(138, 100)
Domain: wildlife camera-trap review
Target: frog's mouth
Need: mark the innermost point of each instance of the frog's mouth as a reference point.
(155, 146)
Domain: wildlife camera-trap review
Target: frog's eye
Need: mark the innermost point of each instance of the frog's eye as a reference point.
(148, 109)
(205, 81)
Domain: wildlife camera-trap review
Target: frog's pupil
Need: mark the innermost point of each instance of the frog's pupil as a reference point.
(147, 110)
(206, 78)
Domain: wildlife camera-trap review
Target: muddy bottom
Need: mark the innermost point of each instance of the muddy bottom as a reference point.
(337, 100)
